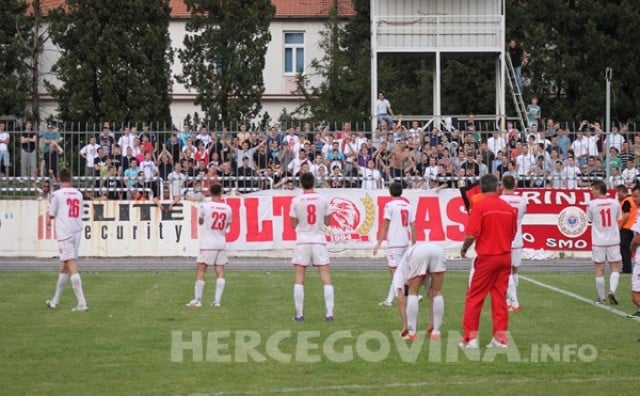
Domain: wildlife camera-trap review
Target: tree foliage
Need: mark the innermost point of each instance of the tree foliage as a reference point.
(224, 55)
(15, 31)
(115, 60)
(570, 44)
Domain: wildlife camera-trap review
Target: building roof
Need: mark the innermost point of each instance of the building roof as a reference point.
(284, 8)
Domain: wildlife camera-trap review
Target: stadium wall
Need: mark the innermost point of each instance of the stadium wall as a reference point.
(555, 221)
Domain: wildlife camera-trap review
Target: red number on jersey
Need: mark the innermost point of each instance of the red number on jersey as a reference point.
(218, 220)
(74, 207)
(311, 215)
(404, 217)
(605, 217)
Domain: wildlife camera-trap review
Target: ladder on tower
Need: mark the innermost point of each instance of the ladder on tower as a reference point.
(518, 101)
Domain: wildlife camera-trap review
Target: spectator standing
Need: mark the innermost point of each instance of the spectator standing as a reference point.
(5, 161)
(384, 110)
(28, 153)
(518, 60)
(625, 223)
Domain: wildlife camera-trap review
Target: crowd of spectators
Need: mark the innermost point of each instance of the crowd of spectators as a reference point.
(139, 164)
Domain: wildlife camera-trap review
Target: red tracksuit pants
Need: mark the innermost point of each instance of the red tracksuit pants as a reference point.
(491, 275)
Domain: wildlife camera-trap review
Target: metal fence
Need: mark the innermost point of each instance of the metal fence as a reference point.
(31, 159)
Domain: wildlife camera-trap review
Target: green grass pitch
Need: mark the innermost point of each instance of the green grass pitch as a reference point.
(126, 343)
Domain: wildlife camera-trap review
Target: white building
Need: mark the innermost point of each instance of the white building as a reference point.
(295, 34)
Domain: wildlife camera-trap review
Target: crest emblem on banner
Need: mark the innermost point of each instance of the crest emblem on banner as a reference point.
(349, 221)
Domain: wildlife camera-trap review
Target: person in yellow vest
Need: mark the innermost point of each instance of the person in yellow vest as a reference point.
(629, 214)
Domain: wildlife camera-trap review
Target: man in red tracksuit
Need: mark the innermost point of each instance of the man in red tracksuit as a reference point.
(492, 225)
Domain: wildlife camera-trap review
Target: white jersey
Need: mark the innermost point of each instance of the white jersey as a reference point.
(517, 202)
(310, 209)
(149, 169)
(217, 217)
(603, 214)
(66, 208)
(400, 216)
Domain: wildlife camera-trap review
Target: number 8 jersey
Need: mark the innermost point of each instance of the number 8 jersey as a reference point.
(217, 217)
(603, 214)
(310, 209)
(66, 208)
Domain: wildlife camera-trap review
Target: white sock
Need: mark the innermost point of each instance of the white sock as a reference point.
(412, 313)
(198, 288)
(438, 312)
(298, 298)
(62, 282)
(613, 282)
(328, 299)
(391, 294)
(515, 280)
(219, 289)
(512, 295)
(76, 283)
(600, 286)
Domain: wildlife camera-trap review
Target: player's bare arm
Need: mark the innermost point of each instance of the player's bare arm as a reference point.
(468, 241)
(383, 235)
(293, 221)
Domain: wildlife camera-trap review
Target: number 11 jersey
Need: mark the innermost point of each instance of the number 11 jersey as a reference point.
(603, 214)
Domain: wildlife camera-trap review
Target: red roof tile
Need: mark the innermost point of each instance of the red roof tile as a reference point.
(284, 8)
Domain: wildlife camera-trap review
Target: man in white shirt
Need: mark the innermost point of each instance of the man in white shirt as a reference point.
(371, 177)
(519, 203)
(570, 174)
(580, 148)
(615, 139)
(214, 218)
(4, 149)
(384, 110)
(496, 143)
(309, 215)
(90, 153)
(126, 140)
(398, 229)
(603, 213)
(525, 163)
(66, 208)
(629, 174)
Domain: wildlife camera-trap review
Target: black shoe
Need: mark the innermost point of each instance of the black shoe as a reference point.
(634, 315)
(612, 299)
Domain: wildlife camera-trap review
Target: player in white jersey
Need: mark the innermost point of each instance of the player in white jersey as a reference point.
(422, 263)
(214, 218)
(520, 204)
(66, 209)
(635, 247)
(398, 228)
(603, 213)
(309, 215)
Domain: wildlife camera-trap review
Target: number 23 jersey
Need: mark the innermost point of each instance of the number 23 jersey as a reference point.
(217, 218)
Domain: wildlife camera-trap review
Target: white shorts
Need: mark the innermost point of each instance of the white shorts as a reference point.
(212, 257)
(69, 247)
(609, 254)
(516, 257)
(394, 255)
(426, 258)
(635, 278)
(310, 254)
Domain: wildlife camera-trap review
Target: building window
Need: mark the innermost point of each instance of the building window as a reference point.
(293, 53)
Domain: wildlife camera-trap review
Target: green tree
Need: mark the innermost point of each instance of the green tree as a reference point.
(224, 55)
(115, 60)
(15, 30)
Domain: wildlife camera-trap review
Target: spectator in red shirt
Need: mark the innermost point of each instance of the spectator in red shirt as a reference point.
(492, 226)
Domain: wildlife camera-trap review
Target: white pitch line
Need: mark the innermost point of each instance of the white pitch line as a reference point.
(395, 385)
(577, 297)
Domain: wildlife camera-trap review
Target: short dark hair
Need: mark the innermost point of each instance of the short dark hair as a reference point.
(600, 186)
(488, 183)
(64, 175)
(216, 190)
(395, 189)
(622, 188)
(307, 180)
(508, 182)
